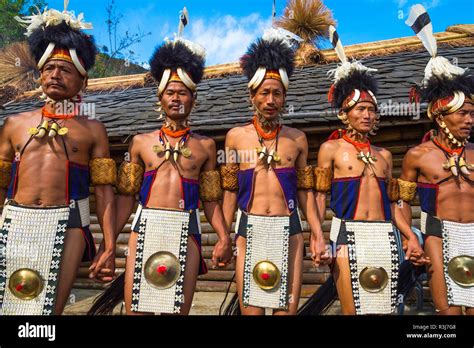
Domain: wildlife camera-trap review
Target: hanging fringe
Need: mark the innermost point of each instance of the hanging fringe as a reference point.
(321, 300)
(233, 308)
(105, 303)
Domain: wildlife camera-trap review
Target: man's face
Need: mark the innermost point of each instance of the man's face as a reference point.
(460, 122)
(60, 80)
(177, 101)
(269, 98)
(362, 117)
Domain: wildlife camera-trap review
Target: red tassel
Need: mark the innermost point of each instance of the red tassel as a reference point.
(331, 93)
(337, 134)
(414, 95)
(428, 135)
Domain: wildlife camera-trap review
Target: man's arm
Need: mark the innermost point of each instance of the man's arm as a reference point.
(229, 201)
(7, 154)
(325, 159)
(222, 253)
(104, 264)
(387, 155)
(126, 202)
(402, 216)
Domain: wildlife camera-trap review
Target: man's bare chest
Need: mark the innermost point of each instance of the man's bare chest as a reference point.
(250, 153)
(348, 162)
(189, 157)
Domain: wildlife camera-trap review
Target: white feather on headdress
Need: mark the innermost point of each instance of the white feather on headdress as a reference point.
(52, 17)
(286, 36)
(193, 46)
(420, 22)
(345, 68)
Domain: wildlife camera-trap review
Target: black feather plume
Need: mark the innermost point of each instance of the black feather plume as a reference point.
(63, 36)
(173, 55)
(272, 55)
(438, 87)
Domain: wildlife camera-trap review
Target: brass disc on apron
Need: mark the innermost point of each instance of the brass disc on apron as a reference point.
(162, 270)
(461, 270)
(25, 284)
(266, 274)
(373, 279)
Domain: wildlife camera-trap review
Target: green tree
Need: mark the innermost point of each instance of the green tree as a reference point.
(10, 30)
(117, 58)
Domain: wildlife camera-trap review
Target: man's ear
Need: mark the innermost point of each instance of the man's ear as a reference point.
(252, 94)
(38, 80)
(85, 82)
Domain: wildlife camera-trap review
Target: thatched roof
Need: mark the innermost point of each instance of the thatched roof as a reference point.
(126, 104)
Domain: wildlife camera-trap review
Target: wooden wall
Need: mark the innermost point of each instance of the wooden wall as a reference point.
(397, 137)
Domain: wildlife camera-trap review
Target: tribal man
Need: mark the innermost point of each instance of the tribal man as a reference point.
(359, 178)
(171, 169)
(48, 159)
(441, 170)
(269, 187)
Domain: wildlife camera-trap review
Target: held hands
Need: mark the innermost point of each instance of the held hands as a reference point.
(103, 266)
(319, 251)
(414, 252)
(222, 253)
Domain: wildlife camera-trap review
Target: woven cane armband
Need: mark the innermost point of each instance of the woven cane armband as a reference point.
(130, 178)
(305, 178)
(5, 173)
(322, 179)
(229, 177)
(407, 190)
(210, 186)
(103, 171)
(393, 190)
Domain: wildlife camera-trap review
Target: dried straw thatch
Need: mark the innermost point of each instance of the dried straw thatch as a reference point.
(309, 19)
(17, 67)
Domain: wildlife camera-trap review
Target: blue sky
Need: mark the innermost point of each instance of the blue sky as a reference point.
(225, 28)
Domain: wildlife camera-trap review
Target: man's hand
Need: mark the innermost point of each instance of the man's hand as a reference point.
(414, 253)
(222, 253)
(319, 252)
(103, 266)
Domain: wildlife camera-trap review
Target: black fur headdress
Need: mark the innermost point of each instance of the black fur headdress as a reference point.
(357, 79)
(438, 87)
(176, 54)
(52, 30)
(66, 37)
(349, 77)
(272, 55)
